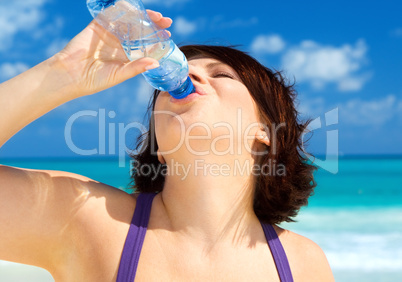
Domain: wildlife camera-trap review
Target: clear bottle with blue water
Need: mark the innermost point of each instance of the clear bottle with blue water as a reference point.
(140, 37)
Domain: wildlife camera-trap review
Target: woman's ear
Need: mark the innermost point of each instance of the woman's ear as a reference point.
(262, 137)
(160, 157)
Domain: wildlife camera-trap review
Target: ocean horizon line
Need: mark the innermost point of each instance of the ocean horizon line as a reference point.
(112, 158)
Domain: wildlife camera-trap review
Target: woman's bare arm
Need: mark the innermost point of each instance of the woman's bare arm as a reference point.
(91, 62)
(30, 95)
(37, 207)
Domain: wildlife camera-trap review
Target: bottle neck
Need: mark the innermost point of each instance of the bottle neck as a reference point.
(184, 90)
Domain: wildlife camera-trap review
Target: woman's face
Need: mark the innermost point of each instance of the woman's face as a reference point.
(217, 119)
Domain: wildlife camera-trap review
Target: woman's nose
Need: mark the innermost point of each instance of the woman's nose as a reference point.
(197, 75)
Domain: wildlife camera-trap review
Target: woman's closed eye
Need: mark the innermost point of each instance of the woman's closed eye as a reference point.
(224, 75)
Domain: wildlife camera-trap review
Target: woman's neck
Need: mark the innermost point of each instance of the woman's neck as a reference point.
(210, 201)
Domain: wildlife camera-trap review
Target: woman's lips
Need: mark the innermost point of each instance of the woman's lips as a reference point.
(198, 92)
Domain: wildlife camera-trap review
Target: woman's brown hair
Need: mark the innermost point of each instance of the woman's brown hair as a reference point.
(277, 197)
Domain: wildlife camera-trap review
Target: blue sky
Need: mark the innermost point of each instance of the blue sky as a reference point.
(344, 55)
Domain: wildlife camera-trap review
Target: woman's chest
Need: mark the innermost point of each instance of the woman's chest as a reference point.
(166, 261)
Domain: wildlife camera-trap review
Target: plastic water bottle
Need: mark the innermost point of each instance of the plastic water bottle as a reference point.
(140, 37)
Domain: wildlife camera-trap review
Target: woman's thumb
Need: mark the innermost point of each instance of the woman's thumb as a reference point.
(136, 67)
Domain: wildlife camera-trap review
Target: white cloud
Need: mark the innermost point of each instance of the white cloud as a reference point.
(143, 93)
(56, 46)
(50, 29)
(167, 3)
(9, 70)
(374, 112)
(397, 32)
(128, 99)
(356, 112)
(44, 131)
(133, 94)
(320, 65)
(221, 22)
(311, 108)
(353, 83)
(183, 26)
(270, 44)
(16, 16)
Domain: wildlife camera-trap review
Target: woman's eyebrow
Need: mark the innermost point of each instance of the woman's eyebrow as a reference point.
(214, 64)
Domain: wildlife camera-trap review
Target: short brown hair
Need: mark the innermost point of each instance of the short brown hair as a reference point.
(277, 198)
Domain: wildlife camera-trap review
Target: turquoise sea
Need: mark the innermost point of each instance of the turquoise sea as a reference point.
(355, 215)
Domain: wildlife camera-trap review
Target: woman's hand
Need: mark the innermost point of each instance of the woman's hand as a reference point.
(94, 60)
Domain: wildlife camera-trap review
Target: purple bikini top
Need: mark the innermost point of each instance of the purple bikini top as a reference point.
(136, 234)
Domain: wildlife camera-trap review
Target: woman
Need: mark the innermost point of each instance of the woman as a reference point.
(218, 199)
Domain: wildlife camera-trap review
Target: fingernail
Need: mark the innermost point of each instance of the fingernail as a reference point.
(152, 66)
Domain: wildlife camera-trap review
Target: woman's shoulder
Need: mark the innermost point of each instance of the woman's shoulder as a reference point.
(56, 210)
(100, 217)
(307, 260)
(87, 204)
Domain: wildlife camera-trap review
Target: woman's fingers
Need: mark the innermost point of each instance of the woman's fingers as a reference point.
(161, 21)
(155, 16)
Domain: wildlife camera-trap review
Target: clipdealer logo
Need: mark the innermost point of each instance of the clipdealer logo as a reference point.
(108, 130)
(331, 161)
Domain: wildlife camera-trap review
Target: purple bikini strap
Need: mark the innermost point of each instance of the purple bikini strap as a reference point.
(135, 238)
(278, 253)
